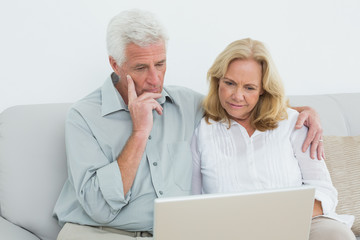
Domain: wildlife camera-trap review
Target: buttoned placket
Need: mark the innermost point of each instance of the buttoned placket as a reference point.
(153, 158)
(250, 151)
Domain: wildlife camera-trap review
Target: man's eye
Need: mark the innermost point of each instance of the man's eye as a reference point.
(139, 68)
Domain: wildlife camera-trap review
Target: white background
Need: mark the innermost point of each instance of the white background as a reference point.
(54, 50)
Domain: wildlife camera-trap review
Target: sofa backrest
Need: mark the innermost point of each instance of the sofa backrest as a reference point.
(32, 166)
(339, 113)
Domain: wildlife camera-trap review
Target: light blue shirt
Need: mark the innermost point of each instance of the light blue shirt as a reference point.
(97, 128)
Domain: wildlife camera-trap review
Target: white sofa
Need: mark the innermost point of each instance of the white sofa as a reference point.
(33, 161)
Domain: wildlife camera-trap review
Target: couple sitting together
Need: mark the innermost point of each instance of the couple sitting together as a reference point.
(133, 140)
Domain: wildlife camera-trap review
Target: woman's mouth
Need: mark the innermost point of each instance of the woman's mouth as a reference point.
(233, 105)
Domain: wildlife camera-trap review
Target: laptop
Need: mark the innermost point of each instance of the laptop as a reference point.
(280, 214)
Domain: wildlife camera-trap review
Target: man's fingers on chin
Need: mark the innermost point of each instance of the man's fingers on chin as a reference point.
(150, 95)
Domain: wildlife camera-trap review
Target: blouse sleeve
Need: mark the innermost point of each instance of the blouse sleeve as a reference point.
(196, 172)
(314, 172)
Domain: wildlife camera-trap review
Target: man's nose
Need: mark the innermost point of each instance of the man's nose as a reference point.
(153, 76)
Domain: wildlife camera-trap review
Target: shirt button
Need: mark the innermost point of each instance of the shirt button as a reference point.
(161, 192)
(149, 137)
(155, 164)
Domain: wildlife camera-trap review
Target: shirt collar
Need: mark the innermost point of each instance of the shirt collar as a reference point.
(233, 122)
(223, 122)
(112, 100)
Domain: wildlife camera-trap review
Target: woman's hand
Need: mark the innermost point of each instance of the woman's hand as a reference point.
(317, 209)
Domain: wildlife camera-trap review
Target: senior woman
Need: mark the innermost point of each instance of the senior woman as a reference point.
(247, 139)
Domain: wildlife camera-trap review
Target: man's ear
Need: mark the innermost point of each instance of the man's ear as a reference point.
(114, 65)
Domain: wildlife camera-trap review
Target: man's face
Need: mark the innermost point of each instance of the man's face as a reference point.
(146, 66)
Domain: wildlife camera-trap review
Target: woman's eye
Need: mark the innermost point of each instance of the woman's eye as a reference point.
(228, 83)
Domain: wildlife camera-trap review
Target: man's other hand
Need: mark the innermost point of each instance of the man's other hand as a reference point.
(311, 119)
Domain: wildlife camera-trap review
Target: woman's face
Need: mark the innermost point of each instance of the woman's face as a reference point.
(240, 88)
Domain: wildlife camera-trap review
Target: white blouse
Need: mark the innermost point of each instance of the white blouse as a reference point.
(228, 160)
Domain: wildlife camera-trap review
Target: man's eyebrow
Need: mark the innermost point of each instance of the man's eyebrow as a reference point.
(140, 65)
(146, 65)
(162, 61)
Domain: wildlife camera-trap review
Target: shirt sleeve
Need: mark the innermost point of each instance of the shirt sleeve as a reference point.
(314, 172)
(196, 186)
(96, 179)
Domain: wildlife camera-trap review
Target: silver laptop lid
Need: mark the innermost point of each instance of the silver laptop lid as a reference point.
(280, 214)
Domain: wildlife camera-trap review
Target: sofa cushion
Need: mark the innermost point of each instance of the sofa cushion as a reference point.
(343, 162)
(9, 230)
(32, 166)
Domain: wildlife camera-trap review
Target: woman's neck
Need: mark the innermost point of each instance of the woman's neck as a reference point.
(247, 125)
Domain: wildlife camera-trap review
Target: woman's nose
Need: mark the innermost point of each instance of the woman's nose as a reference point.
(238, 94)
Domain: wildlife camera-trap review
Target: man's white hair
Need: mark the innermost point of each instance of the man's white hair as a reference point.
(133, 26)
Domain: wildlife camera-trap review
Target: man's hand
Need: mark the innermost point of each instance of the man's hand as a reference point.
(141, 107)
(310, 118)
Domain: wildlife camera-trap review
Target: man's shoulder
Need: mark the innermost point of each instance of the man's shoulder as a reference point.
(92, 99)
(89, 104)
(187, 100)
(180, 94)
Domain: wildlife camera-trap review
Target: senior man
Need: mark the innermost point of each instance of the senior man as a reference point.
(128, 142)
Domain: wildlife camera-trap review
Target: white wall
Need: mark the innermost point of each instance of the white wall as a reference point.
(54, 50)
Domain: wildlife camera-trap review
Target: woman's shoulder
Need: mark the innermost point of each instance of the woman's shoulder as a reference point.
(292, 116)
(207, 123)
(292, 113)
(208, 126)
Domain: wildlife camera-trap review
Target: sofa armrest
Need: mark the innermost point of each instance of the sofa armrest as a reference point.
(343, 161)
(11, 231)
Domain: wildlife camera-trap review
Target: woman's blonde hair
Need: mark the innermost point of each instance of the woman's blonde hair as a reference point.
(272, 104)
